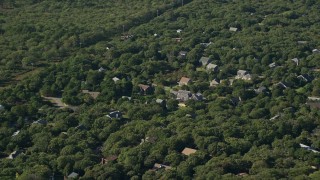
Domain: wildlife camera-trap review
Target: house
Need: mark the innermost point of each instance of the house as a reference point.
(212, 67)
(314, 98)
(179, 30)
(101, 69)
(272, 65)
(302, 42)
(15, 133)
(145, 88)
(148, 139)
(177, 39)
(304, 77)
(274, 117)
(161, 102)
(14, 154)
(1, 107)
(183, 54)
(314, 104)
(80, 127)
(282, 85)
(316, 51)
(242, 174)
(308, 148)
(126, 97)
(204, 61)
(188, 151)
(115, 79)
(260, 90)
(40, 121)
(235, 100)
(182, 95)
(158, 166)
(197, 97)
(73, 175)
(214, 82)
(108, 159)
(233, 29)
(115, 114)
(126, 36)
(295, 60)
(242, 74)
(184, 81)
(206, 44)
(93, 94)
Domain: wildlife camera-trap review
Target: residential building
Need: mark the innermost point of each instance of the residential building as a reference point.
(188, 151)
(184, 81)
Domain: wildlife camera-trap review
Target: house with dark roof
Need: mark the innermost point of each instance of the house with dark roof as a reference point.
(40, 121)
(235, 100)
(184, 81)
(204, 61)
(304, 77)
(197, 97)
(282, 85)
(115, 115)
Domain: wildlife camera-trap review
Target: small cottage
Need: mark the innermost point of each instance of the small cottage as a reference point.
(188, 151)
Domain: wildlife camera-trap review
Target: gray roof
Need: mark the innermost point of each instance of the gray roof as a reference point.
(40, 121)
(261, 89)
(160, 101)
(184, 95)
(242, 72)
(204, 61)
(183, 53)
(234, 29)
(272, 65)
(211, 66)
(316, 51)
(73, 175)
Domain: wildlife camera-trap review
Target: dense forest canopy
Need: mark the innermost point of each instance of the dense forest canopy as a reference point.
(143, 89)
